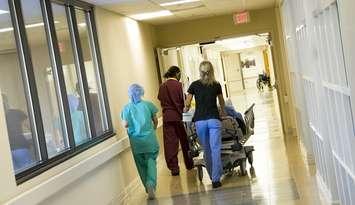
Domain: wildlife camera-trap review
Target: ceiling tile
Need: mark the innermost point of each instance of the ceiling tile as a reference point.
(184, 6)
(188, 11)
(193, 12)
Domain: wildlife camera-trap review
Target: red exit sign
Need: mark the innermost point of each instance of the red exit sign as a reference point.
(241, 17)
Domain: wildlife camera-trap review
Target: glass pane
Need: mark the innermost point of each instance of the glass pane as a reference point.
(46, 85)
(78, 113)
(23, 143)
(96, 98)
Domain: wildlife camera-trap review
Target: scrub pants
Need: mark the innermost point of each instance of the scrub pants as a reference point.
(209, 133)
(173, 132)
(147, 168)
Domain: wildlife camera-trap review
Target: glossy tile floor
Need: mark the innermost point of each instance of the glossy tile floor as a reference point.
(281, 176)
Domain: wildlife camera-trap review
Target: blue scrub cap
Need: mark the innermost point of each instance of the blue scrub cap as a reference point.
(135, 93)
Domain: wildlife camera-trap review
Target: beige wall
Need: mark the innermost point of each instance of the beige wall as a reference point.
(266, 20)
(213, 28)
(128, 57)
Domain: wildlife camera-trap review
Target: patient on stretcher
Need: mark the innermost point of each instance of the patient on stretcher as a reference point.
(230, 111)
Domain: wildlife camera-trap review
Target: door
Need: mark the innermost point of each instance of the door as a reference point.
(168, 57)
(233, 72)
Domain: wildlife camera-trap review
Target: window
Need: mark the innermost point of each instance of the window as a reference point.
(51, 83)
(18, 112)
(54, 130)
(94, 81)
(71, 71)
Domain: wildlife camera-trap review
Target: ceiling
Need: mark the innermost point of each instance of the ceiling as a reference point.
(182, 12)
(240, 43)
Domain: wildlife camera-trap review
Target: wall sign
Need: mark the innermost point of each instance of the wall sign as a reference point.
(241, 17)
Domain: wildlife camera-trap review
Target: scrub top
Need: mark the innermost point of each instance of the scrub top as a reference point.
(141, 130)
(78, 122)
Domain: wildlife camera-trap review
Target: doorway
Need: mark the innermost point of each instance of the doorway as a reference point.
(238, 62)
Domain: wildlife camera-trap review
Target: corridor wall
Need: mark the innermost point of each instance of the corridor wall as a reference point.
(323, 91)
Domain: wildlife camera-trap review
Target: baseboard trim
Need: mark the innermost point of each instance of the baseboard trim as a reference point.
(307, 156)
(324, 192)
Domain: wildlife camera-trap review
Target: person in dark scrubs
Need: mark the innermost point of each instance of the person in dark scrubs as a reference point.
(206, 91)
(171, 98)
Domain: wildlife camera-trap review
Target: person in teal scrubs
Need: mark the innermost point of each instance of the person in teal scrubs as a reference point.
(78, 120)
(139, 118)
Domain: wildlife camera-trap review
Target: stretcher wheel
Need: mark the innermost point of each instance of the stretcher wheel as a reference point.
(243, 167)
(200, 172)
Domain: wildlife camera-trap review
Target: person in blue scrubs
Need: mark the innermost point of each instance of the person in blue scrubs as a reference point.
(139, 118)
(206, 90)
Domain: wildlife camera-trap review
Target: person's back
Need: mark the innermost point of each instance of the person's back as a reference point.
(206, 100)
(139, 117)
(78, 122)
(140, 126)
(172, 100)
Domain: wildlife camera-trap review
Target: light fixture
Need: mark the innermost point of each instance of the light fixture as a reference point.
(3, 12)
(151, 15)
(82, 24)
(2, 30)
(178, 2)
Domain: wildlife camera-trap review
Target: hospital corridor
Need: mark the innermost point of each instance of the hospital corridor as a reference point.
(177, 102)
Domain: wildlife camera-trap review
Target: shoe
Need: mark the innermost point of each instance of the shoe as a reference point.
(190, 168)
(151, 193)
(216, 184)
(175, 173)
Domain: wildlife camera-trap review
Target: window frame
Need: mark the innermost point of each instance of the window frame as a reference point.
(28, 77)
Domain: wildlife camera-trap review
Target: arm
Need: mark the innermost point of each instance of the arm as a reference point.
(124, 123)
(188, 102)
(155, 121)
(222, 104)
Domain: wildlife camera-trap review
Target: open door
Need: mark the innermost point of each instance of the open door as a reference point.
(233, 72)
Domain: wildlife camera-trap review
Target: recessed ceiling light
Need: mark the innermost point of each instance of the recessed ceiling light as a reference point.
(177, 2)
(151, 15)
(3, 12)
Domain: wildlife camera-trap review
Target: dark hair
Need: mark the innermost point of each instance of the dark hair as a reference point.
(172, 72)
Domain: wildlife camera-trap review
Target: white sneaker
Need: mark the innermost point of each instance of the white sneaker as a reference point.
(151, 193)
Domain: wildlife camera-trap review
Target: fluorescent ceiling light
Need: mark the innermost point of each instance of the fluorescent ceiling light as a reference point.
(3, 12)
(178, 2)
(151, 15)
(34, 25)
(2, 30)
(82, 24)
